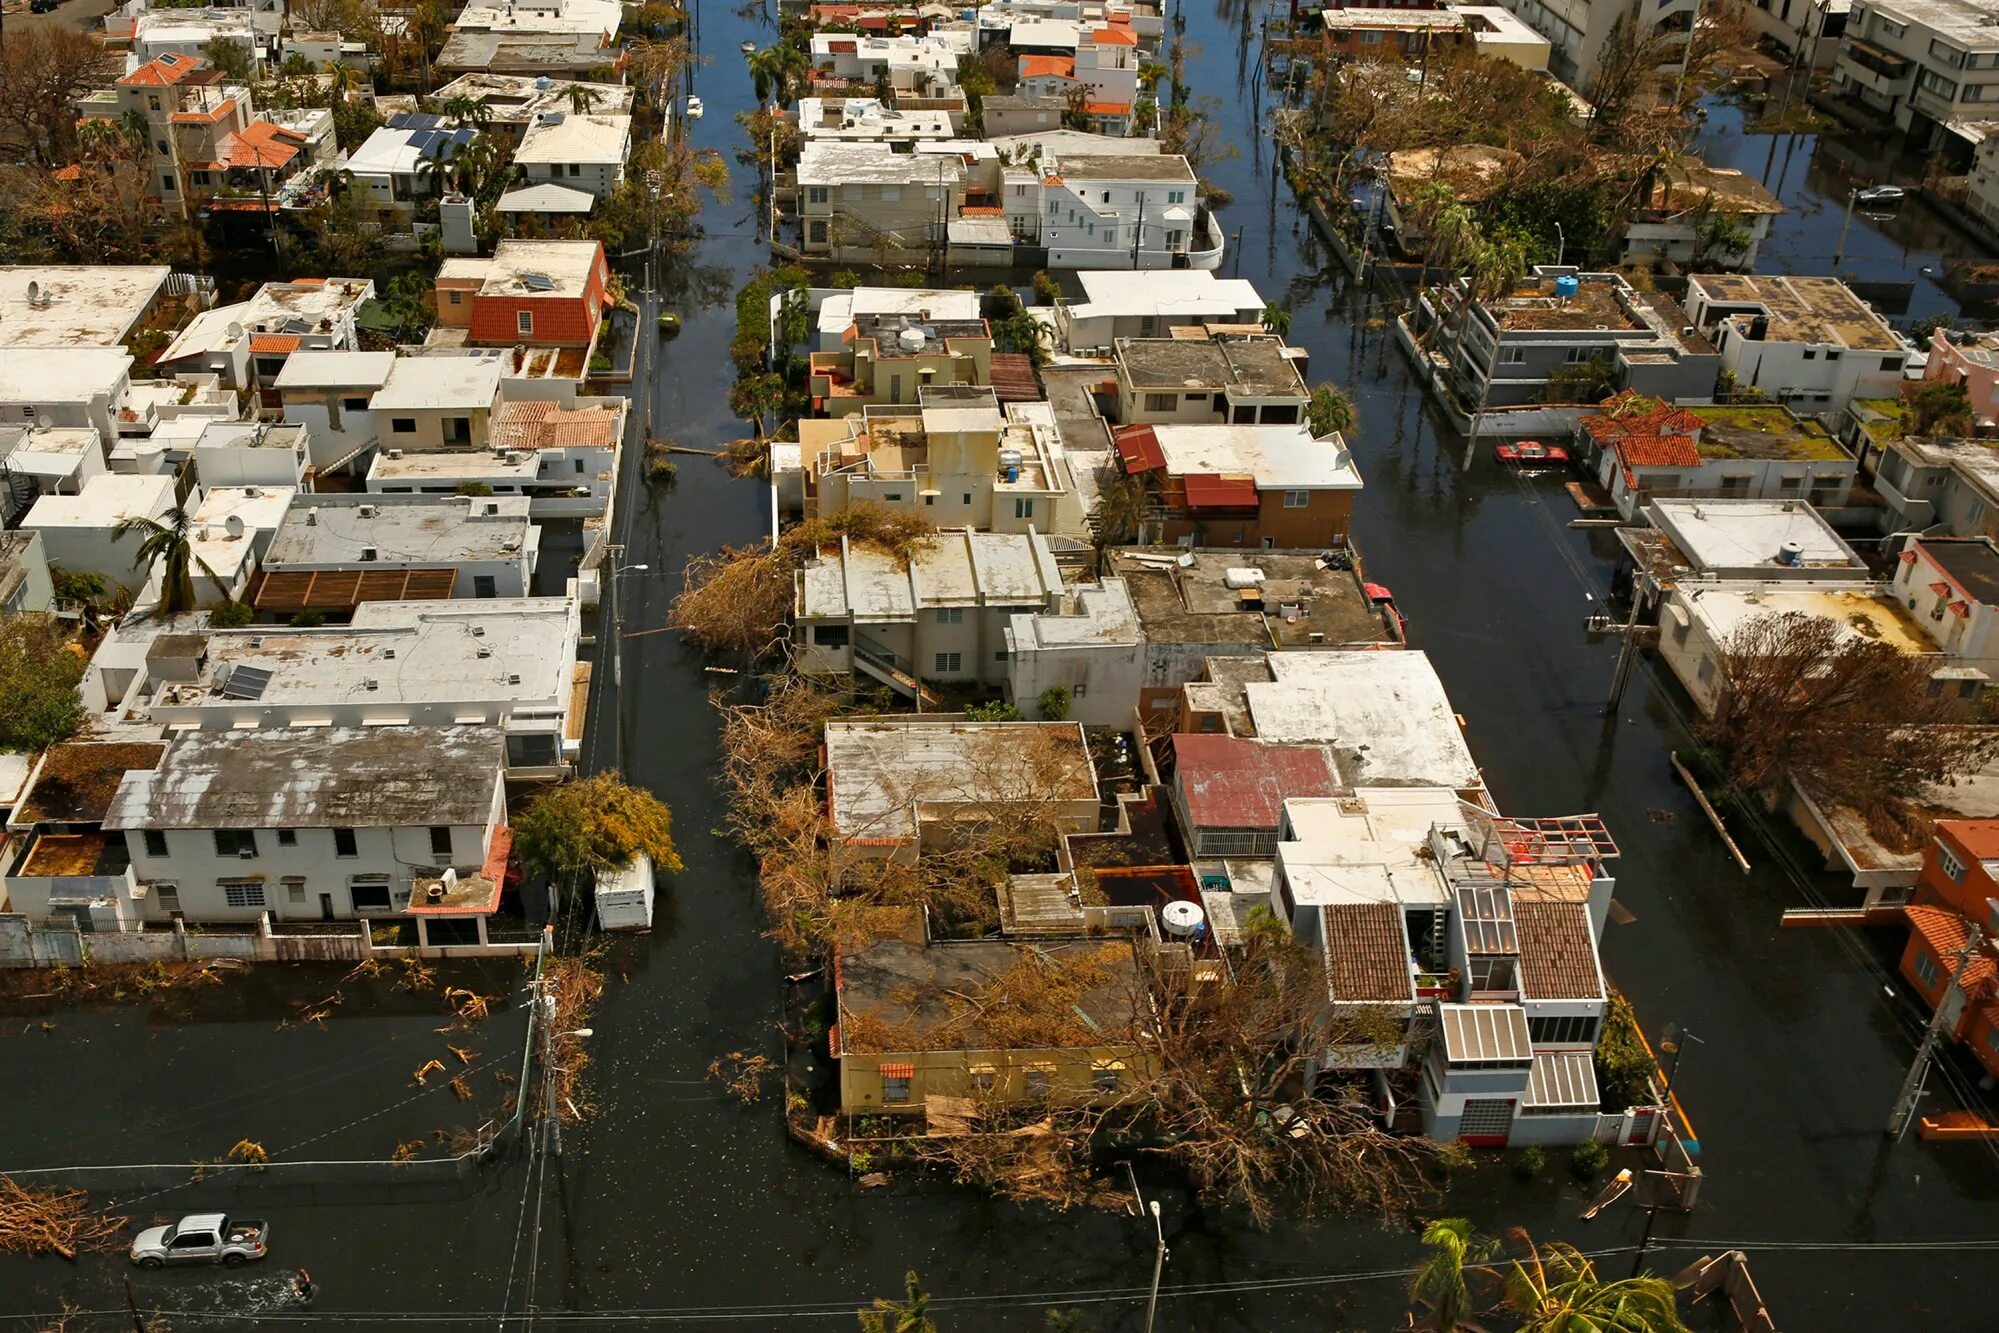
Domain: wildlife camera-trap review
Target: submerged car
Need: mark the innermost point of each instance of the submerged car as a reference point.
(1531, 453)
(202, 1238)
(694, 108)
(1882, 194)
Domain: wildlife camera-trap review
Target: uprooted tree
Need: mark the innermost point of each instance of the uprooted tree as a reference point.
(1215, 1083)
(1852, 719)
(739, 599)
(594, 824)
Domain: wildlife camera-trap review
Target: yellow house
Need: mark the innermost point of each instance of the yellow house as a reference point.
(887, 359)
(920, 1018)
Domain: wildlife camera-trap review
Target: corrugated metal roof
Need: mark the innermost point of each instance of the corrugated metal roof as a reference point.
(1210, 492)
(1229, 782)
(1139, 447)
(1563, 1078)
(1481, 1032)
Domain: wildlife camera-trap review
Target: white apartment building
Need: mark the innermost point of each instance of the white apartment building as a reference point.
(1129, 304)
(1806, 31)
(77, 305)
(329, 393)
(578, 152)
(309, 823)
(1951, 586)
(912, 64)
(1807, 342)
(1920, 63)
(80, 532)
(75, 388)
(1105, 211)
(487, 544)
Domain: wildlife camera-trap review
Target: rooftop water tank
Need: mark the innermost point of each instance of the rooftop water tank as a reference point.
(1567, 286)
(1009, 461)
(1181, 918)
(1238, 579)
(912, 339)
(1791, 553)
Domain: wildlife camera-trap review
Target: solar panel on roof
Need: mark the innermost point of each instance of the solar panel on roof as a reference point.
(538, 282)
(246, 682)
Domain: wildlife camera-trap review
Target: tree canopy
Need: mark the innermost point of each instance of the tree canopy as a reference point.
(39, 672)
(595, 824)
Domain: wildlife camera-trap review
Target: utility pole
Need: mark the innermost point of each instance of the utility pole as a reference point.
(550, 1119)
(1839, 251)
(1912, 1086)
(132, 1304)
(1627, 652)
(1159, 1253)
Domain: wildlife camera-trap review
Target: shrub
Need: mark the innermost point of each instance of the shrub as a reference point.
(232, 615)
(1054, 703)
(474, 488)
(1589, 1158)
(1623, 1065)
(997, 711)
(599, 364)
(308, 620)
(1046, 289)
(1527, 1163)
(1453, 1157)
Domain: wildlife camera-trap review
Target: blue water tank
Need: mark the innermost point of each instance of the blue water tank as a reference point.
(1567, 286)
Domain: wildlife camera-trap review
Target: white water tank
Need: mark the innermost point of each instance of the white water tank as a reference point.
(233, 525)
(912, 339)
(1238, 579)
(1181, 918)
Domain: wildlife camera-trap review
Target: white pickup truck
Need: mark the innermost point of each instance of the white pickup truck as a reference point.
(202, 1238)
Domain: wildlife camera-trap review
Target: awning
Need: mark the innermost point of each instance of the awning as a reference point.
(1205, 491)
(896, 1071)
(1485, 1032)
(344, 589)
(1563, 1078)
(1139, 447)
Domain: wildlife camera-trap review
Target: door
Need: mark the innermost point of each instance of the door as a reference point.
(192, 1248)
(1486, 1121)
(325, 907)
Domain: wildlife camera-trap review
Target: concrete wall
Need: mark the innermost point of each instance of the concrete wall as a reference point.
(1793, 373)
(23, 945)
(425, 428)
(599, 178)
(224, 465)
(335, 426)
(1103, 681)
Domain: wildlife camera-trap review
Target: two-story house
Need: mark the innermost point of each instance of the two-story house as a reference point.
(1123, 303)
(431, 403)
(1951, 586)
(889, 360)
(406, 160)
(465, 546)
(1804, 341)
(1229, 379)
(1969, 358)
(534, 293)
(311, 823)
(1956, 891)
(866, 202)
(246, 344)
(585, 153)
(1226, 485)
(331, 394)
(1642, 448)
(1920, 64)
(1112, 210)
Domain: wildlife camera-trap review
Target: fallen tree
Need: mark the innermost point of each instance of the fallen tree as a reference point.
(52, 1222)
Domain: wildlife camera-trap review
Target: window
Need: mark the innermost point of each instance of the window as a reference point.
(356, 404)
(950, 615)
(1811, 354)
(1953, 869)
(167, 183)
(983, 1078)
(152, 103)
(929, 499)
(370, 893)
(1933, 82)
(483, 585)
(1000, 656)
(167, 894)
(201, 178)
(1891, 363)
(1054, 207)
(1948, 55)
(343, 842)
(891, 194)
(1038, 1079)
(1176, 196)
(1512, 356)
(156, 842)
(895, 1087)
(402, 425)
(1104, 1074)
(457, 297)
(579, 467)
(164, 150)
(815, 194)
(967, 498)
(242, 892)
(294, 889)
(235, 842)
(1992, 1039)
(949, 662)
(287, 837)
(830, 636)
(1562, 1030)
(1576, 355)
(575, 169)
(1023, 508)
(440, 840)
(1706, 671)
(1927, 971)
(1297, 499)
(1161, 402)
(524, 322)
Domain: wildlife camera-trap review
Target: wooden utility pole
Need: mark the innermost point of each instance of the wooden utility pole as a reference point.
(1912, 1086)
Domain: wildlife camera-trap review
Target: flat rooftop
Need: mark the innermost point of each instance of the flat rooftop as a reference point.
(108, 499)
(1370, 847)
(77, 780)
(1090, 616)
(889, 333)
(1474, 172)
(426, 529)
(1765, 432)
(1169, 167)
(76, 305)
(1244, 367)
(417, 383)
(317, 777)
(1167, 293)
(958, 567)
(881, 772)
(1534, 306)
(34, 375)
(1279, 457)
(453, 465)
(840, 309)
(1971, 561)
(1818, 312)
(514, 99)
(1731, 534)
(530, 268)
(1692, 184)
(1385, 715)
(1233, 782)
(310, 368)
(899, 995)
(1867, 610)
(563, 136)
(824, 162)
(393, 654)
(1298, 599)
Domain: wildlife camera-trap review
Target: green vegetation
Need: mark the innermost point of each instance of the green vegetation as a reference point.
(1054, 703)
(39, 671)
(597, 823)
(997, 711)
(1771, 432)
(1588, 1160)
(232, 615)
(1330, 410)
(1940, 408)
(1528, 1162)
(1624, 1066)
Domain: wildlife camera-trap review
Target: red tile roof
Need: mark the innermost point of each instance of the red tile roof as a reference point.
(1107, 108)
(1139, 447)
(1117, 34)
(1228, 782)
(1207, 491)
(1367, 952)
(1629, 413)
(1557, 961)
(1035, 66)
(1943, 931)
(262, 144)
(163, 72)
(220, 109)
(543, 425)
(274, 344)
(1635, 451)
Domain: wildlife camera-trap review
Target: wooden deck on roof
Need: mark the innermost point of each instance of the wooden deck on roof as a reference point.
(345, 589)
(579, 702)
(1013, 377)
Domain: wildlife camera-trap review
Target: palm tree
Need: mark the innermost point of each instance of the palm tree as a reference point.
(170, 542)
(1277, 319)
(1330, 410)
(909, 1315)
(1118, 516)
(581, 99)
(1554, 1289)
(437, 165)
(1456, 1251)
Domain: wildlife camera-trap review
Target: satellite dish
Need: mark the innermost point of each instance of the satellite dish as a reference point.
(34, 291)
(234, 331)
(42, 421)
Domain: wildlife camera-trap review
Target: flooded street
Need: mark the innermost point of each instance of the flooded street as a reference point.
(675, 1204)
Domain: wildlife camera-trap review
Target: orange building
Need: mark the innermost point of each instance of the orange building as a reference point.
(1956, 888)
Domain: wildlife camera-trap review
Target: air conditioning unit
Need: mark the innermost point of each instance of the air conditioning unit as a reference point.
(246, 853)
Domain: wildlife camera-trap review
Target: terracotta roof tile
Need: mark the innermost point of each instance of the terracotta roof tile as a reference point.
(163, 72)
(1036, 66)
(1943, 931)
(1117, 34)
(274, 344)
(1557, 955)
(1367, 952)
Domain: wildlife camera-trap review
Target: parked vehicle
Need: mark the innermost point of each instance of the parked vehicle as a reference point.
(42, 6)
(694, 108)
(202, 1238)
(1882, 194)
(1531, 453)
(1378, 595)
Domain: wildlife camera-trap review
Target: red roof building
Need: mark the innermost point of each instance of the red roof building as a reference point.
(1229, 792)
(532, 293)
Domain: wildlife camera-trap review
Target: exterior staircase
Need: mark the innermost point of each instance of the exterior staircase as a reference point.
(877, 663)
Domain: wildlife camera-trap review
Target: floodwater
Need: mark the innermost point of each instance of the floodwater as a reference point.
(676, 1205)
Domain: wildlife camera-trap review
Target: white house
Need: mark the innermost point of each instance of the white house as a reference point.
(1951, 586)
(1130, 304)
(310, 823)
(329, 393)
(860, 200)
(1804, 341)
(487, 544)
(866, 118)
(253, 453)
(77, 305)
(1104, 211)
(247, 343)
(391, 164)
(942, 617)
(80, 532)
(73, 387)
(1089, 643)
(437, 402)
(584, 153)
(1920, 63)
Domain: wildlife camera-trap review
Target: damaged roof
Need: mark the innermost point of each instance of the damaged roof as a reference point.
(317, 777)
